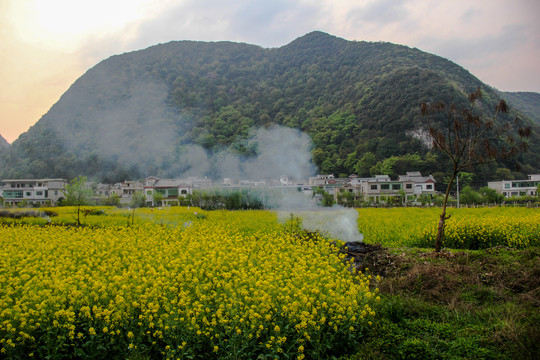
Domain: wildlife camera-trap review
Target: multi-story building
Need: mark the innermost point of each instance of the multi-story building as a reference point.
(421, 185)
(511, 188)
(383, 189)
(33, 191)
(169, 191)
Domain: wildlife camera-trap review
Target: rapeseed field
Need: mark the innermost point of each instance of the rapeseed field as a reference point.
(467, 228)
(178, 284)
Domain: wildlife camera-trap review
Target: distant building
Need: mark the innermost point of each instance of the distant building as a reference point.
(169, 190)
(383, 189)
(421, 185)
(511, 188)
(33, 191)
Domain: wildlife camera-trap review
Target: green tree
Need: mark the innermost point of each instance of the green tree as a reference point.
(469, 138)
(113, 200)
(138, 199)
(158, 198)
(469, 197)
(77, 194)
(364, 165)
(490, 195)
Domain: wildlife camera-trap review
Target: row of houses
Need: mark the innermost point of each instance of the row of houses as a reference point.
(166, 192)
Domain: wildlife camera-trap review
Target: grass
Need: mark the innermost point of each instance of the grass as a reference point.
(479, 304)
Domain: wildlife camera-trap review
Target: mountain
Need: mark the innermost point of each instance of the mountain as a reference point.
(527, 102)
(3, 143)
(165, 109)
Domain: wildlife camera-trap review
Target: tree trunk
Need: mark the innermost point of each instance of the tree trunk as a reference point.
(439, 240)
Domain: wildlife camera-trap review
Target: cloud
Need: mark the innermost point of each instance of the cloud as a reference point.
(461, 48)
(269, 24)
(380, 12)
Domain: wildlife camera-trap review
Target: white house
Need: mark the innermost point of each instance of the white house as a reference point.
(421, 185)
(169, 191)
(511, 188)
(33, 191)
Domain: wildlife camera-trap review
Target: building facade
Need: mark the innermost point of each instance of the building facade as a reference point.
(511, 188)
(33, 191)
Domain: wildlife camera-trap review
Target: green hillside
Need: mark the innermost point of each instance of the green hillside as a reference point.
(3, 143)
(527, 102)
(155, 111)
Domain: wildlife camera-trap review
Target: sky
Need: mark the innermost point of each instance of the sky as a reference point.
(46, 45)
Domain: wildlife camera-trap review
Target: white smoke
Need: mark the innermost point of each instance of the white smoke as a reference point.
(336, 222)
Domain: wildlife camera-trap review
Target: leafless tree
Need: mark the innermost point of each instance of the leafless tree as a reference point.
(469, 138)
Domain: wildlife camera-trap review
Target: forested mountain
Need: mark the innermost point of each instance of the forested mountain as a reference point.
(3, 143)
(527, 102)
(153, 111)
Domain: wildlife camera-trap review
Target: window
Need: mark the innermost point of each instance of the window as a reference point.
(408, 186)
(429, 187)
(13, 194)
(396, 186)
(184, 192)
(28, 193)
(173, 192)
(507, 186)
(385, 186)
(39, 193)
(373, 187)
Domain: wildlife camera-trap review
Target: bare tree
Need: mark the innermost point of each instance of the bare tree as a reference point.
(469, 138)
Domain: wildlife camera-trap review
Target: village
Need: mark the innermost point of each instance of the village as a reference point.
(380, 189)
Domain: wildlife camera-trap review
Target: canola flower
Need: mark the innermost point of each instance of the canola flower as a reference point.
(230, 285)
(467, 228)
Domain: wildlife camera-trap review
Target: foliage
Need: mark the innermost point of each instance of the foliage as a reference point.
(113, 200)
(138, 199)
(230, 199)
(357, 100)
(484, 195)
(77, 194)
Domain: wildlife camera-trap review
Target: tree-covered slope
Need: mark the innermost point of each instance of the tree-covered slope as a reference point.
(3, 143)
(527, 102)
(154, 111)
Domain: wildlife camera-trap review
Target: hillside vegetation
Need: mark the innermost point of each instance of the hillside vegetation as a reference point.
(148, 112)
